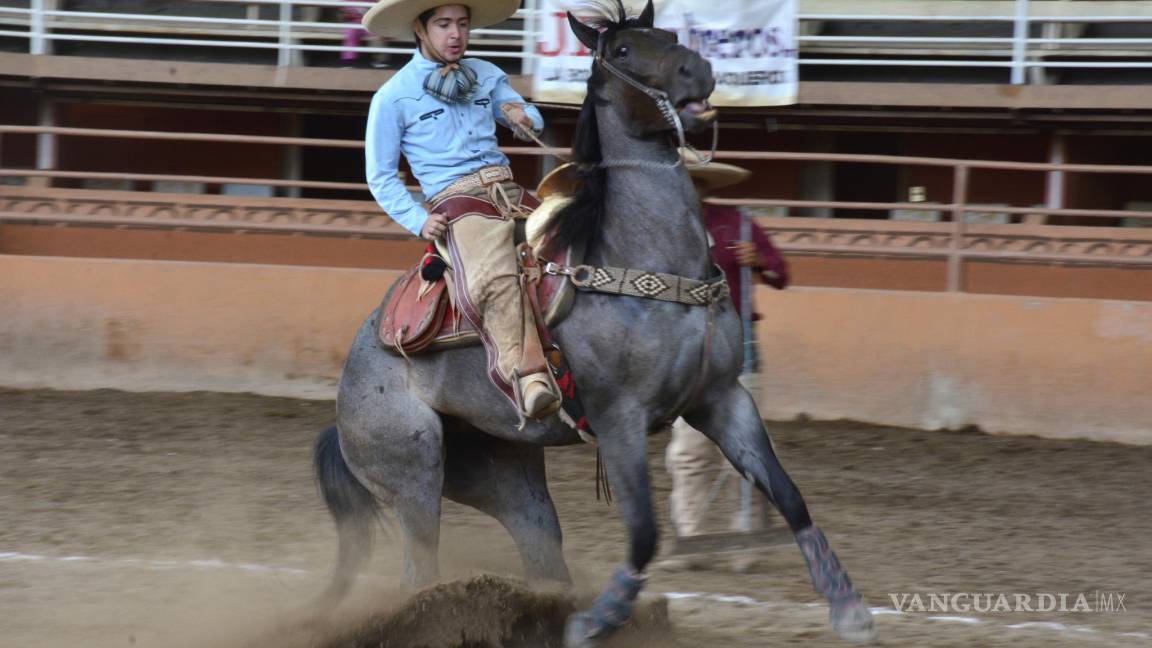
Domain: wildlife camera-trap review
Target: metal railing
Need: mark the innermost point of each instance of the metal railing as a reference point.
(285, 34)
(957, 208)
(1018, 53)
(956, 251)
(1062, 43)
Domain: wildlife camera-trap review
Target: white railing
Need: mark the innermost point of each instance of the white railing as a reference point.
(1019, 52)
(1062, 43)
(284, 34)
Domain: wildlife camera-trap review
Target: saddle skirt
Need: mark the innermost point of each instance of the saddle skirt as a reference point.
(418, 316)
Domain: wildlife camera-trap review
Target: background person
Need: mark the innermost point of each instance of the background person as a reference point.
(355, 36)
(691, 458)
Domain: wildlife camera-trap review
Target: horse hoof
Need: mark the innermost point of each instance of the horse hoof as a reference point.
(853, 622)
(579, 631)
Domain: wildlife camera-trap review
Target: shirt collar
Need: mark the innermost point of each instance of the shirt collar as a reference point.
(420, 63)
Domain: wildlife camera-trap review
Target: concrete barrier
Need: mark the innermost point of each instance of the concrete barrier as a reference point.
(1014, 365)
(71, 323)
(1063, 368)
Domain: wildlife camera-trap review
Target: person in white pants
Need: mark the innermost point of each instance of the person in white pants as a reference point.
(691, 458)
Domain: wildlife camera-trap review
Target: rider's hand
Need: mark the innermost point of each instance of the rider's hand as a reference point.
(434, 227)
(746, 255)
(518, 119)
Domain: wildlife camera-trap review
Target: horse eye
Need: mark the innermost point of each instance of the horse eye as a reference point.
(622, 51)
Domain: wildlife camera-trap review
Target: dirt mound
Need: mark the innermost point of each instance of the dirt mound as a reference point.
(491, 612)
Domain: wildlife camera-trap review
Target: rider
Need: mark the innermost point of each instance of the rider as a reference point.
(440, 111)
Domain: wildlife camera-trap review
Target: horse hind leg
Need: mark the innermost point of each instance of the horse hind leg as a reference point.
(390, 444)
(402, 464)
(354, 508)
(368, 464)
(506, 480)
(733, 423)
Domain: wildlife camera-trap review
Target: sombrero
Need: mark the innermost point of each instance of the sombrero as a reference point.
(563, 181)
(713, 175)
(393, 18)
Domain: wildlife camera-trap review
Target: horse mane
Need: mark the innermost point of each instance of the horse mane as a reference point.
(602, 14)
(578, 222)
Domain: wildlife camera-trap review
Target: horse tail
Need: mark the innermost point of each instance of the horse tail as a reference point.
(354, 508)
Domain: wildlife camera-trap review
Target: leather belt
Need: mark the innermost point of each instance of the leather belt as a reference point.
(483, 178)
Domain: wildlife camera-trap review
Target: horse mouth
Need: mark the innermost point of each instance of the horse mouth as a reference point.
(696, 110)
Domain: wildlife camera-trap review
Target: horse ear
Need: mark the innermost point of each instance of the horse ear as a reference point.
(647, 17)
(587, 35)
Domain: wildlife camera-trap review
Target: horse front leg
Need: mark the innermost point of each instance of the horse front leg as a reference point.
(622, 447)
(731, 420)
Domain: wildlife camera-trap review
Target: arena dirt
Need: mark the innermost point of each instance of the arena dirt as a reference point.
(192, 520)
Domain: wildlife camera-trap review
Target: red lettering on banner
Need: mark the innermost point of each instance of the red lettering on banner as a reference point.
(561, 31)
(560, 22)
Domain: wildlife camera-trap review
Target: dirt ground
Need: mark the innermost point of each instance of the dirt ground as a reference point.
(192, 520)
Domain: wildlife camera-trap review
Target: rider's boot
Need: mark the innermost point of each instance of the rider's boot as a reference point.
(536, 388)
(540, 399)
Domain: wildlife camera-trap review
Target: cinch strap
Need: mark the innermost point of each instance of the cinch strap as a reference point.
(641, 283)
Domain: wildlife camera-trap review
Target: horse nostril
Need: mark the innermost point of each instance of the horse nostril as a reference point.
(685, 72)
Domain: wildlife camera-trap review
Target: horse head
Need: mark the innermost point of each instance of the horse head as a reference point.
(645, 72)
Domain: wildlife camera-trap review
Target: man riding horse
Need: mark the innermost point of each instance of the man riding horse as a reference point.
(652, 335)
(440, 111)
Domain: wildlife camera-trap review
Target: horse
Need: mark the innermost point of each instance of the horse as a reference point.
(413, 430)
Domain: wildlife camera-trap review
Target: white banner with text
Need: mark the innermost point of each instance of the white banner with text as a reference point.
(751, 46)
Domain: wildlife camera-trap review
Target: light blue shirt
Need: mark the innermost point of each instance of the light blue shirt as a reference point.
(441, 141)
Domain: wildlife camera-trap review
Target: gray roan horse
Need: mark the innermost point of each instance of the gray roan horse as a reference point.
(410, 432)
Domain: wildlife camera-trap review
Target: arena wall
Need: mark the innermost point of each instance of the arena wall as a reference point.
(1010, 365)
(1063, 368)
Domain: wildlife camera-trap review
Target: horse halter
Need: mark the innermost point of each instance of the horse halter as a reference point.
(663, 104)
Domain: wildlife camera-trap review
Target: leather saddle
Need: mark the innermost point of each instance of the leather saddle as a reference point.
(418, 316)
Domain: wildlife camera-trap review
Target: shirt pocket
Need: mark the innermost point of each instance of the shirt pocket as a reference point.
(481, 124)
(427, 122)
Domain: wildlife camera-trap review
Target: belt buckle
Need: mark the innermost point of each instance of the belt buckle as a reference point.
(492, 175)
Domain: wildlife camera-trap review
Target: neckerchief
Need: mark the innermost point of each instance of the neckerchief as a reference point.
(449, 82)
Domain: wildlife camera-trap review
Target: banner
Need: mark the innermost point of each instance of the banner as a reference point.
(751, 46)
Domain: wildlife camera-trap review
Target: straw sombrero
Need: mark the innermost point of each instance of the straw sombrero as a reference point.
(563, 181)
(560, 181)
(713, 175)
(393, 18)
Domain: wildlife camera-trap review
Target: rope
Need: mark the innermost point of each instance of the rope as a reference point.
(564, 158)
(602, 484)
(643, 164)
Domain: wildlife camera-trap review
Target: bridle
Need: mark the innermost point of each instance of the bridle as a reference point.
(667, 110)
(663, 104)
